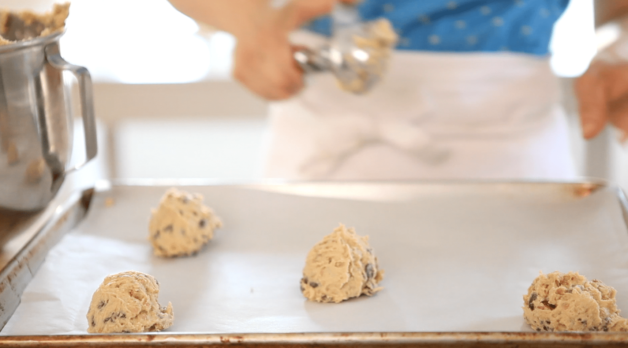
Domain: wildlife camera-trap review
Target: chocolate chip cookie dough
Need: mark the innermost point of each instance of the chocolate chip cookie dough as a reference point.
(127, 302)
(181, 225)
(26, 25)
(378, 41)
(340, 267)
(568, 302)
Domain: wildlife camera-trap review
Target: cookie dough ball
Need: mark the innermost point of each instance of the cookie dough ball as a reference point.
(127, 302)
(181, 225)
(568, 302)
(340, 267)
(378, 40)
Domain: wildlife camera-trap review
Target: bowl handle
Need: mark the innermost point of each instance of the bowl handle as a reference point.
(87, 101)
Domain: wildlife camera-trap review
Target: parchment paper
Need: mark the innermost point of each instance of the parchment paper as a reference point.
(457, 258)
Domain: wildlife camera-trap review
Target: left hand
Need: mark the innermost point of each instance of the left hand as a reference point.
(603, 98)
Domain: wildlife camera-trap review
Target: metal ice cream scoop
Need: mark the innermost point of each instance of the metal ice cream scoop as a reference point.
(357, 53)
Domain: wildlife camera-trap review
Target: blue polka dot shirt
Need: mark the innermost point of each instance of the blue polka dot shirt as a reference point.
(523, 26)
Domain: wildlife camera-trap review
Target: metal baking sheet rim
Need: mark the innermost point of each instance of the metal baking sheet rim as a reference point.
(426, 339)
(75, 208)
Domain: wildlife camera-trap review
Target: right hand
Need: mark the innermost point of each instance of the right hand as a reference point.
(264, 60)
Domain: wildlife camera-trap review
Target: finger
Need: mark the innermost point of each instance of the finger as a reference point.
(616, 80)
(592, 102)
(618, 116)
(298, 12)
(268, 83)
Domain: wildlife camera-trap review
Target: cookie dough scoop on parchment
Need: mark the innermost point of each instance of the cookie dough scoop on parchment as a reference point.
(569, 302)
(127, 302)
(340, 267)
(181, 225)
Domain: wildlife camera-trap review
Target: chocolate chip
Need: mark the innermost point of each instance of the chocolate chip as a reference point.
(156, 235)
(302, 288)
(156, 281)
(202, 223)
(126, 331)
(545, 328)
(113, 317)
(304, 280)
(185, 199)
(168, 228)
(314, 285)
(93, 321)
(102, 304)
(531, 300)
(538, 329)
(324, 297)
(122, 315)
(369, 271)
(551, 306)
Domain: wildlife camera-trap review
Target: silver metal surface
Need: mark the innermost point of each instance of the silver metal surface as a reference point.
(349, 339)
(36, 123)
(548, 215)
(18, 268)
(341, 57)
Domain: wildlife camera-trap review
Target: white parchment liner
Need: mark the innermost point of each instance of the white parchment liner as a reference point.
(458, 257)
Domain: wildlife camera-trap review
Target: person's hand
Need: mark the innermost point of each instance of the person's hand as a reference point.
(603, 98)
(264, 59)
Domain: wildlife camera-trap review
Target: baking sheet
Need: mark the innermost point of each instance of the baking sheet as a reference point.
(458, 257)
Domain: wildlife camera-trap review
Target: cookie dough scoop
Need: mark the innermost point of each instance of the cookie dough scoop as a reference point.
(358, 53)
(569, 302)
(181, 225)
(127, 302)
(340, 267)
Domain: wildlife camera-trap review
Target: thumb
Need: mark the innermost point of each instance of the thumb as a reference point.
(299, 12)
(591, 95)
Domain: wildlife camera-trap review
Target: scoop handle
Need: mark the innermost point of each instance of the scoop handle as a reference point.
(312, 61)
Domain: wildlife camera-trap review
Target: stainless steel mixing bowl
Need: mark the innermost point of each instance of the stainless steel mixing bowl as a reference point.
(36, 128)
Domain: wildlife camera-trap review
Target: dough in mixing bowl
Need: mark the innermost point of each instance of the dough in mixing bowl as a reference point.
(181, 225)
(568, 302)
(27, 25)
(340, 267)
(127, 302)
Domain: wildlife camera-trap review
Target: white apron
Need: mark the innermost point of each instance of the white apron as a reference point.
(434, 116)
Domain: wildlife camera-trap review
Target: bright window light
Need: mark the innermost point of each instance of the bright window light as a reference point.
(142, 41)
(573, 43)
